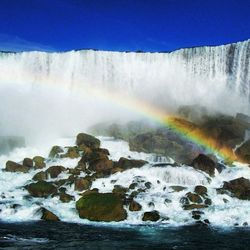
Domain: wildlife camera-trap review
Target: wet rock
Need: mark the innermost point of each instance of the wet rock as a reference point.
(208, 202)
(48, 216)
(197, 214)
(125, 163)
(120, 190)
(178, 188)
(194, 206)
(55, 152)
(195, 198)
(12, 166)
(72, 153)
(134, 206)
(66, 197)
(204, 163)
(27, 162)
(101, 207)
(148, 185)
(184, 200)
(243, 152)
(39, 162)
(82, 183)
(240, 188)
(87, 140)
(151, 216)
(41, 189)
(54, 171)
(40, 176)
(206, 221)
(102, 165)
(200, 190)
(133, 185)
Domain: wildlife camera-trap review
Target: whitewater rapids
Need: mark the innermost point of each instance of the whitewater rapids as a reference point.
(15, 205)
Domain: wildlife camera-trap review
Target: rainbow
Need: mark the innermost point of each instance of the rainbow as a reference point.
(182, 127)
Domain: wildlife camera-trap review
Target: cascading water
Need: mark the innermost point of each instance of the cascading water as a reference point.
(212, 72)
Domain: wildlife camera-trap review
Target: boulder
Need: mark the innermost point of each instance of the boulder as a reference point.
(55, 152)
(200, 190)
(120, 190)
(87, 140)
(240, 188)
(101, 207)
(205, 164)
(40, 176)
(243, 152)
(72, 153)
(47, 215)
(151, 216)
(82, 183)
(12, 166)
(39, 162)
(54, 171)
(41, 189)
(134, 206)
(102, 165)
(66, 197)
(27, 162)
(125, 163)
(195, 198)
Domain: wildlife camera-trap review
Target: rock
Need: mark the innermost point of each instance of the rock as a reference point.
(240, 188)
(54, 171)
(125, 163)
(197, 214)
(134, 206)
(208, 202)
(66, 197)
(72, 153)
(200, 190)
(102, 165)
(204, 163)
(243, 152)
(41, 189)
(120, 190)
(27, 162)
(194, 206)
(178, 188)
(55, 152)
(133, 185)
(48, 216)
(39, 162)
(151, 216)
(40, 176)
(87, 140)
(12, 166)
(82, 183)
(148, 185)
(90, 191)
(101, 207)
(195, 198)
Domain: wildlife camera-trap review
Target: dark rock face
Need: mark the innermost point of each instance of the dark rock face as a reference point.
(240, 188)
(125, 163)
(243, 152)
(27, 162)
(41, 189)
(151, 216)
(54, 171)
(204, 163)
(87, 140)
(55, 152)
(39, 162)
(48, 216)
(101, 207)
(12, 166)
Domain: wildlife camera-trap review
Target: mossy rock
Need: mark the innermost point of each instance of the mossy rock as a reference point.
(41, 189)
(27, 162)
(87, 140)
(72, 153)
(40, 176)
(39, 162)
(54, 171)
(55, 152)
(12, 166)
(101, 207)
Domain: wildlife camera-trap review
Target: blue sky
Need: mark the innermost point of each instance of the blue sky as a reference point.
(123, 25)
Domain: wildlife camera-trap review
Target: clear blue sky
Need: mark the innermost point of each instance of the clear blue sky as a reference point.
(124, 25)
